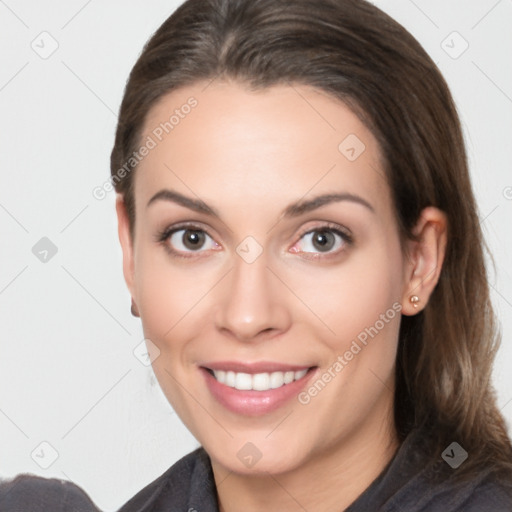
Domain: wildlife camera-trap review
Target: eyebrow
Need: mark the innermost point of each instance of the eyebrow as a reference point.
(293, 210)
(302, 207)
(192, 204)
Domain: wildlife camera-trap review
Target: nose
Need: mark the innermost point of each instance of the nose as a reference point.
(253, 305)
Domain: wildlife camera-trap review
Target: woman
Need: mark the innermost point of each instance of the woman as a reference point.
(300, 240)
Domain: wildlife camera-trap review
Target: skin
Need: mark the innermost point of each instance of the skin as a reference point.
(249, 155)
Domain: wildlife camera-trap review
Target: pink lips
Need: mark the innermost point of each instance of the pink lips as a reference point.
(252, 402)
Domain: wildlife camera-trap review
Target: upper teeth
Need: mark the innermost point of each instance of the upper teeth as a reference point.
(257, 381)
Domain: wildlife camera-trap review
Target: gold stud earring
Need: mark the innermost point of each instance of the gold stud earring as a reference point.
(414, 299)
(135, 311)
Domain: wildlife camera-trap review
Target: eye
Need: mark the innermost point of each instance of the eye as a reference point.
(188, 240)
(322, 240)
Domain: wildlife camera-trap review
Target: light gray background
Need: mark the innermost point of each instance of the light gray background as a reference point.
(68, 375)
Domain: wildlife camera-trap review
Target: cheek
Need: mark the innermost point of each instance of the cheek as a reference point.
(352, 297)
(169, 301)
(360, 304)
(167, 297)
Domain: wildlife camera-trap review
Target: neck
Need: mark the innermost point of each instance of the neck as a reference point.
(331, 480)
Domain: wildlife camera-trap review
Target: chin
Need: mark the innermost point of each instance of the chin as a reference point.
(254, 454)
(272, 462)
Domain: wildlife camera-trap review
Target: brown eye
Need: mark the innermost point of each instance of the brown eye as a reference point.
(322, 240)
(190, 240)
(193, 239)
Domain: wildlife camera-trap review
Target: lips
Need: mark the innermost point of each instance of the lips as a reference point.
(255, 388)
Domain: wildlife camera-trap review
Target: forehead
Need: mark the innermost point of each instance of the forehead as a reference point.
(222, 140)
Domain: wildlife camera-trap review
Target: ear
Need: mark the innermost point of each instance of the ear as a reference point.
(425, 259)
(123, 229)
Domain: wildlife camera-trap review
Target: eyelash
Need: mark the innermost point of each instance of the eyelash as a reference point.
(329, 227)
(162, 237)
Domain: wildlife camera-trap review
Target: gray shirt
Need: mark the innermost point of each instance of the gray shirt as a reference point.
(405, 485)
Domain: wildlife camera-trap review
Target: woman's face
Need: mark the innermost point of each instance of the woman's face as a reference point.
(268, 272)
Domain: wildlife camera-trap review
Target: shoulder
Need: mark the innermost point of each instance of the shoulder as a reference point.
(447, 493)
(447, 489)
(417, 482)
(29, 493)
(487, 495)
(188, 484)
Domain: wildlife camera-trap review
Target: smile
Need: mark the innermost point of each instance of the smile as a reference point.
(258, 381)
(255, 389)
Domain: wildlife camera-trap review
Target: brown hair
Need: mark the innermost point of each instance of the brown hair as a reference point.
(355, 52)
